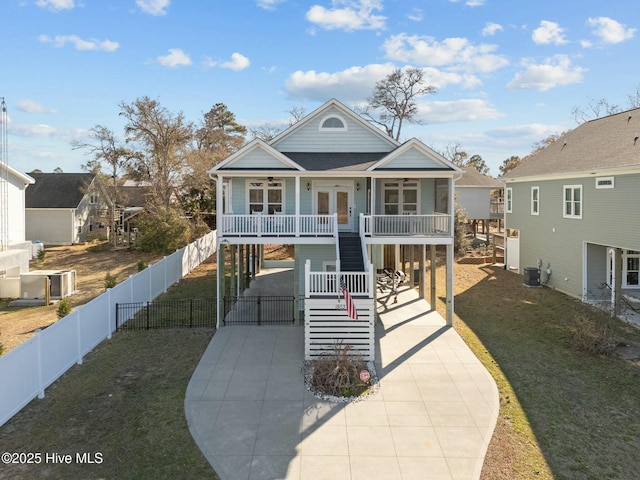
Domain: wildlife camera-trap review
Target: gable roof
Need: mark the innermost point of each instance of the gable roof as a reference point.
(257, 144)
(473, 178)
(437, 160)
(602, 144)
(57, 190)
(22, 177)
(344, 110)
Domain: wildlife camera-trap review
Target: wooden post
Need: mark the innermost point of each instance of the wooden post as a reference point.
(411, 267)
(47, 291)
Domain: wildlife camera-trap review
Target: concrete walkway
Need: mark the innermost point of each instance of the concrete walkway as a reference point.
(432, 418)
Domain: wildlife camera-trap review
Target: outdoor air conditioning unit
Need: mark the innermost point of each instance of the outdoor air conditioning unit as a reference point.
(62, 283)
(532, 276)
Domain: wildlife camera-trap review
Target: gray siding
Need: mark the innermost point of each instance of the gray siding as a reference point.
(310, 138)
(413, 159)
(609, 217)
(51, 226)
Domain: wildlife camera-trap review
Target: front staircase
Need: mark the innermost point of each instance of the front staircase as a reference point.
(350, 253)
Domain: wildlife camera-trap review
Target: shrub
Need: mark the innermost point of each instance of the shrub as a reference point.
(593, 333)
(142, 265)
(109, 281)
(460, 241)
(40, 255)
(64, 307)
(163, 231)
(339, 374)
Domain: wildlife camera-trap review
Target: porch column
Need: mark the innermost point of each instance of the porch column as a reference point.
(296, 285)
(432, 283)
(232, 272)
(240, 270)
(411, 268)
(422, 276)
(449, 319)
(220, 284)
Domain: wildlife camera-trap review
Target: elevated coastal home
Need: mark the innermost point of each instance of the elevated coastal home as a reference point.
(347, 197)
(481, 197)
(66, 208)
(571, 211)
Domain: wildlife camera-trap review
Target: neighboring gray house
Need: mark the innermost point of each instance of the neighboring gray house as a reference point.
(347, 196)
(480, 196)
(66, 208)
(572, 210)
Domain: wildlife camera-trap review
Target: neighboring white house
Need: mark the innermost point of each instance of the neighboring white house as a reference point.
(572, 211)
(15, 251)
(350, 199)
(66, 208)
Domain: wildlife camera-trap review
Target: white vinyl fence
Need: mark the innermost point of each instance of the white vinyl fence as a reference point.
(31, 367)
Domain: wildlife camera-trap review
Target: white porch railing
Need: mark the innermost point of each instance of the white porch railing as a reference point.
(327, 284)
(258, 225)
(437, 224)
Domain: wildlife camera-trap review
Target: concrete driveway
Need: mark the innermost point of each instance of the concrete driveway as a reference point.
(432, 417)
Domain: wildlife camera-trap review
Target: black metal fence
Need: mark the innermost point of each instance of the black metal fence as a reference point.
(166, 314)
(259, 310)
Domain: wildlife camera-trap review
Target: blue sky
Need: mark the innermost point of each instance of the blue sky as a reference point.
(507, 72)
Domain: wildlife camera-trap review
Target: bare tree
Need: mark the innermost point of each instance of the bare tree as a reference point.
(454, 153)
(297, 114)
(510, 163)
(393, 101)
(163, 138)
(106, 149)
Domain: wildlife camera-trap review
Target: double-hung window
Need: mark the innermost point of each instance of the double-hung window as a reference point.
(265, 196)
(508, 203)
(535, 200)
(572, 201)
(401, 198)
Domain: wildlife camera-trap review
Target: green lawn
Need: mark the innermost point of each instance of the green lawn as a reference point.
(125, 402)
(572, 415)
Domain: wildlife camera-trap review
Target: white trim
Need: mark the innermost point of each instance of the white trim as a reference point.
(322, 128)
(630, 170)
(508, 200)
(265, 193)
(255, 144)
(414, 143)
(564, 201)
(607, 182)
(535, 202)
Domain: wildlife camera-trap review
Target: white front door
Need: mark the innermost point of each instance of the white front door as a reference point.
(336, 199)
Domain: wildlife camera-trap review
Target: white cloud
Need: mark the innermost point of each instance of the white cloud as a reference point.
(609, 30)
(348, 15)
(56, 5)
(471, 3)
(238, 62)
(351, 85)
(355, 84)
(79, 43)
(154, 7)
(269, 4)
(586, 44)
(40, 130)
(175, 58)
(465, 110)
(532, 132)
(29, 106)
(555, 72)
(548, 32)
(415, 15)
(491, 28)
(457, 53)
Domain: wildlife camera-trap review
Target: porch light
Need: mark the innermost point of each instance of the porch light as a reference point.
(308, 186)
(270, 179)
(357, 186)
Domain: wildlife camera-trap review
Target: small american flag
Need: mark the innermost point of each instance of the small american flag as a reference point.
(351, 308)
